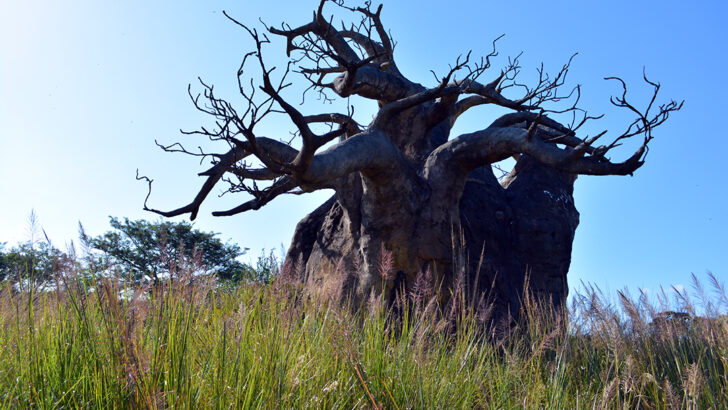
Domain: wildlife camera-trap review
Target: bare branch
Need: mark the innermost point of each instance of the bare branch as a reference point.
(258, 174)
(645, 121)
(213, 176)
(322, 29)
(263, 197)
(391, 109)
(329, 52)
(372, 21)
(536, 135)
(545, 91)
(345, 121)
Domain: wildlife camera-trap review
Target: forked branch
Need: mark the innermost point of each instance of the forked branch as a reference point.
(373, 75)
(360, 58)
(537, 135)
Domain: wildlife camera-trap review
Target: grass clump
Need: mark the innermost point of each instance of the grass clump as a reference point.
(191, 343)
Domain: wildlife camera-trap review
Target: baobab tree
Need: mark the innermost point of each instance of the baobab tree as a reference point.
(415, 208)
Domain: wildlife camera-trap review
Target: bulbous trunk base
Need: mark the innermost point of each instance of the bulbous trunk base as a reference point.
(521, 229)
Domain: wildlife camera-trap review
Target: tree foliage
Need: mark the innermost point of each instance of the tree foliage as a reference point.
(152, 248)
(37, 262)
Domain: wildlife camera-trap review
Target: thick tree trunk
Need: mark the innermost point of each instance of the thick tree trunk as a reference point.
(523, 228)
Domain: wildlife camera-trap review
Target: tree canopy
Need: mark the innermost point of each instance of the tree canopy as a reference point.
(144, 248)
(35, 261)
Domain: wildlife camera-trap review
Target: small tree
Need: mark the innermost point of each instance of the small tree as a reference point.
(36, 262)
(150, 248)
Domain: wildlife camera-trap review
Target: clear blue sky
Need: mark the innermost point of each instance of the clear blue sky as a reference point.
(87, 86)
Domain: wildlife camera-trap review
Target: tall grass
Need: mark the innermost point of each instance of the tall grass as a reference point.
(191, 343)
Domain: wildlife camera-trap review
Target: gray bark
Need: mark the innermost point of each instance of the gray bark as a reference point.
(524, 227)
